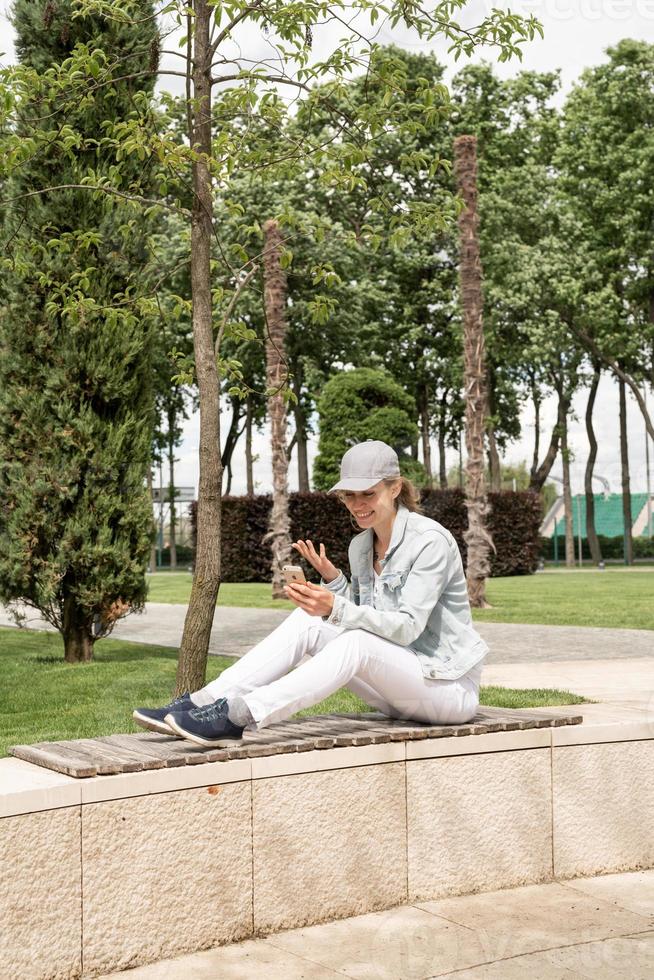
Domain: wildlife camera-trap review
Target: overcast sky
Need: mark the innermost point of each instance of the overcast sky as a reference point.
(577, 33)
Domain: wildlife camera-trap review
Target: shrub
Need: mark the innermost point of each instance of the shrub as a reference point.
(514, 523)
(360, 404)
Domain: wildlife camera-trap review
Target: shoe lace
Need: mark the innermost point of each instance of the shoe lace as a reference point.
(179, 700)
(209, 711)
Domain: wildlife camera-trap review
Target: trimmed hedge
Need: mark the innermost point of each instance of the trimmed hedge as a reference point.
(514, 523)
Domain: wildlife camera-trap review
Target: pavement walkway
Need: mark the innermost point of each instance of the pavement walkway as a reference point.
(599, 928)
(235, 630)
(613, 665)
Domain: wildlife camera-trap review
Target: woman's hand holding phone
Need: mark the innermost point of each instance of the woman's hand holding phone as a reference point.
(314, 599)
(319, 560)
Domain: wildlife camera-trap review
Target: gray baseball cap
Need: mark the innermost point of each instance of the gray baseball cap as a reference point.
(366, 464)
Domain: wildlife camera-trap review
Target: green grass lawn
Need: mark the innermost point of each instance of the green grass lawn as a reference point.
(175, 587)
(615, 597)
(48, 699)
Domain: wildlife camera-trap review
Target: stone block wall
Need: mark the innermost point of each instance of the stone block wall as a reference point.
(111, 872)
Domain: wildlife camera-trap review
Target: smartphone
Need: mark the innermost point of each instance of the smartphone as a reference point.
(293, 573)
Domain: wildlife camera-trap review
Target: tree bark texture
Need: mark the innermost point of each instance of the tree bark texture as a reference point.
(77, 634)
(591, 533)
(279, 530)
(624, 472)
(477, 536)
(192, 662)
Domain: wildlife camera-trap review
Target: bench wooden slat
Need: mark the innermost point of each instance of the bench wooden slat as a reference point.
(165, 749)
(136, 752)
(376, 736)
(57, 756)
(112, 759)
(399, 731)
(300, 732)
(150, 757)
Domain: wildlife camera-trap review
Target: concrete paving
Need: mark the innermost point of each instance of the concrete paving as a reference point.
(599, 928)
(610, 665)
(620, 682)
(236, 630)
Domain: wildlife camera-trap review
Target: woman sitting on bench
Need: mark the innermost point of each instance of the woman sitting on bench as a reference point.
(399, 635)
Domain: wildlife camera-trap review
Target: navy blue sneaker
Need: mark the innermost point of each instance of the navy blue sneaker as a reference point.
(208, 726)
(153, 718)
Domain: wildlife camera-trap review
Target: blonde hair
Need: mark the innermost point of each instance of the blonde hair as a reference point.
(409, 495)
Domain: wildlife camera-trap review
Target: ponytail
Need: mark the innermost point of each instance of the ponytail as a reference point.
(409, 495)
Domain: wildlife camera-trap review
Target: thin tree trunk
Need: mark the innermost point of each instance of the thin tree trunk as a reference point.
(231, 441)
(567, 498)
(537, 402)
(542, 472)
(249, 470)
(591, 533)
(192, 663)
(300, 434)
(153, 546)
(494, 465)
(424, 433)
(624, 471)
(620, 373)
(302, 463)
(279, 532)
(442, 467)
(477, 536)
(442, 434)
(171, 488)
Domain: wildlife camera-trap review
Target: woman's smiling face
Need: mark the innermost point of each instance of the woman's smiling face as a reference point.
(373, 506)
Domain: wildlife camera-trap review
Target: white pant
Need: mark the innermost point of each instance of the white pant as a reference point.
(385, 675)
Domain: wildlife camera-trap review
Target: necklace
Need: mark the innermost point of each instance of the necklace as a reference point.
(378, 554)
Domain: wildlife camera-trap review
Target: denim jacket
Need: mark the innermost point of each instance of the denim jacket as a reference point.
(424, 598)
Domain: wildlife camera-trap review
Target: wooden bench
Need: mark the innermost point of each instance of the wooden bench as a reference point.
(112, 754)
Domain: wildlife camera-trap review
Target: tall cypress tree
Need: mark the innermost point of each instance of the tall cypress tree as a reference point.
(76, 398)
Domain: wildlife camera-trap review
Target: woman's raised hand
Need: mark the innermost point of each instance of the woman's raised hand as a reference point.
(319, 560)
